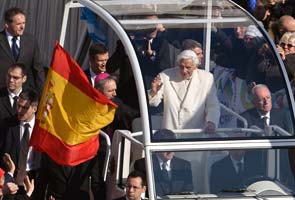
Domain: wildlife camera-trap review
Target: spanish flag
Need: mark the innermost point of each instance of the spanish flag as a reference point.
(70, 114)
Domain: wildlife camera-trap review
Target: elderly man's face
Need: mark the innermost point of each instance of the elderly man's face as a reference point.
(187, 68)
(262, 100)
(109, 89)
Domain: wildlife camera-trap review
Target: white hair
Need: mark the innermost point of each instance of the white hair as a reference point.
(187, 54)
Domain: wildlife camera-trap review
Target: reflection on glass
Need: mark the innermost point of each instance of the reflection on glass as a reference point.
(224, 173)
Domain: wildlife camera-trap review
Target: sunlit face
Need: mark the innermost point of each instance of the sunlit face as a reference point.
(109, 89)
(262, 100)
(240, 32)
(15, 80)
(25, 110)
(199, 53)
(17, 26)
(187, 68)
(134, 188)
(98, 63)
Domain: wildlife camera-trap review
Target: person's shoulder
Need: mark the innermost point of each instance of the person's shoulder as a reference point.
(2, 33)
(250, 111)
(180, 160)
(221, 162)
(121, 198)
(203, 73)
(3, 92)
(170, 71)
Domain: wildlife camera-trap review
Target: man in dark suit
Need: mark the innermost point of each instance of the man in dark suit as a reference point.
(15, 78)
(62, 182)
(230, 173)
(264, 114)
(17, 46)
(136, 185)
(19, 133)
(171, 174)
(98, 57)
(124, 115)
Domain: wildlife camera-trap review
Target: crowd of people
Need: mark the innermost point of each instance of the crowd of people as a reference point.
(188, 95)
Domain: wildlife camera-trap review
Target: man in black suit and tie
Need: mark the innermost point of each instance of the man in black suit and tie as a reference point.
(264, 114)
(172, 175)
(19, 133)
(17, 46)
(232, 172)
(98, 57)
(15, 78)
(136, 185)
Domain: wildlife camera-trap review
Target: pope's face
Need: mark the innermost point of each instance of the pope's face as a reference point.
(187, 68)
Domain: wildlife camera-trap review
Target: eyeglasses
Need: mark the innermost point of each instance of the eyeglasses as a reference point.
(131, 186)
(14, 77)
(283, 44)
(290, 45)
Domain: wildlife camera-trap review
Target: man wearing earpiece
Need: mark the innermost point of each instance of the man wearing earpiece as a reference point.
(19, 133)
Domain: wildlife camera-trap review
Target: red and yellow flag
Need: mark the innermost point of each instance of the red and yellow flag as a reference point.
(70, 114)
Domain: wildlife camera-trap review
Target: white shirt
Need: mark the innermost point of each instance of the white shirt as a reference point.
(235, 163)
(9, 39)
(12, 95)
(30, 160)
(268, 117)
(92, 76)
(168, 166)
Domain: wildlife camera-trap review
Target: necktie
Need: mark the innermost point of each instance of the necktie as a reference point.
(264, 119)
(166, 179)
(165, 172)
(14, 48)
(24, 146)
(240, 167)
(15, 98)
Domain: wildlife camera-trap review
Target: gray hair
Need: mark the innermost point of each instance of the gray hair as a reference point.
(101, 84)
(190, 44)
(187, 54)
(257, 87)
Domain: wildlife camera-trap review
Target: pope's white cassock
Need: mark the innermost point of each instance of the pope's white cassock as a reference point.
(188, 104)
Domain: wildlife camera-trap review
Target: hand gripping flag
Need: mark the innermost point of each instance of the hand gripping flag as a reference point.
(70, 114)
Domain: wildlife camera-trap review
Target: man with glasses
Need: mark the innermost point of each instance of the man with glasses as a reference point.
(136, 185)
(16, 76)
(172, 174)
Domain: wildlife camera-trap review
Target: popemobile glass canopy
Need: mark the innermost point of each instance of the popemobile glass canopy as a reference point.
(144, 38)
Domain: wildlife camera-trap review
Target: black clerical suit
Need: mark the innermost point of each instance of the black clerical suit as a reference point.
(181, 176)
(29, 55)
(63, 182)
